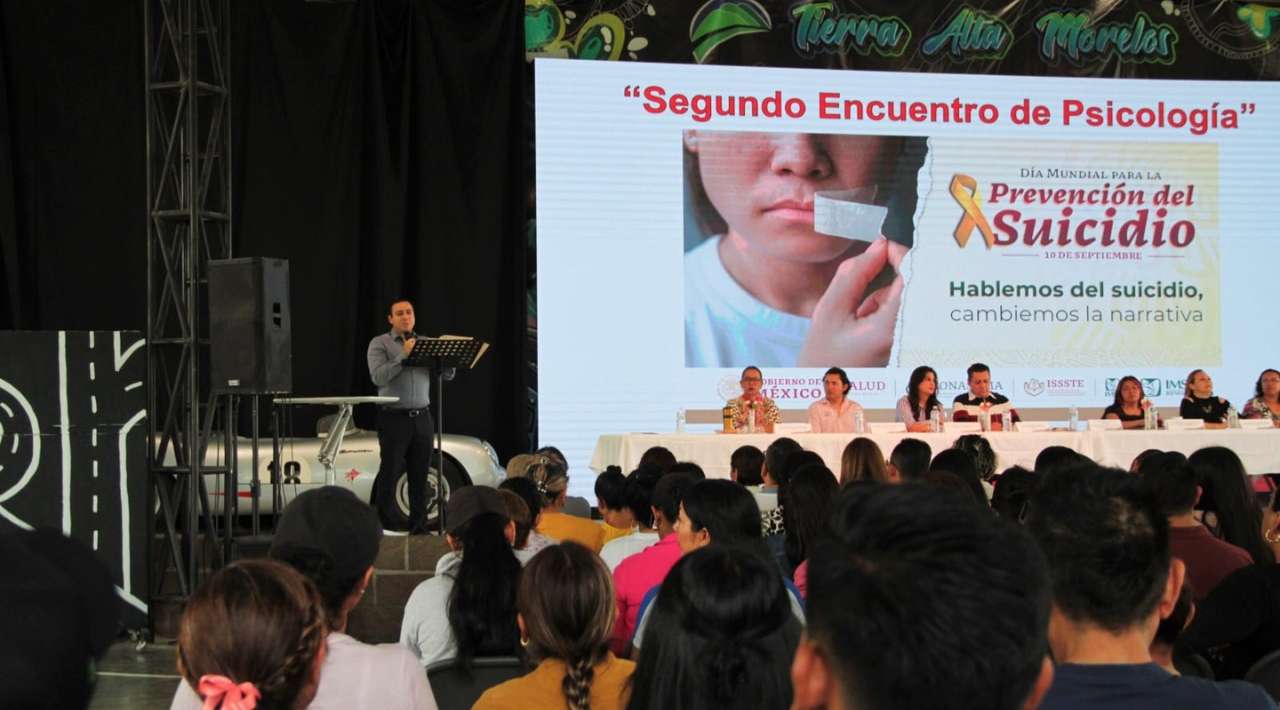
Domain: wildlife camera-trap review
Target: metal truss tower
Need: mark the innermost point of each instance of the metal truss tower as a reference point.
(188, 224)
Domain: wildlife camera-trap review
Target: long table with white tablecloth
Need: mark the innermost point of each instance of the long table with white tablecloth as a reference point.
(1259, 449)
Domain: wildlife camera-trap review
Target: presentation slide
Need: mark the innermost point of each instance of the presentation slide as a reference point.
(693, 220)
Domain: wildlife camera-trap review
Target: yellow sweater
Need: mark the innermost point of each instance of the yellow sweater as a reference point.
(568, 527)
(541, 687)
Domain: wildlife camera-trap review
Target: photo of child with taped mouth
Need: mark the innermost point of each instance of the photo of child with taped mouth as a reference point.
(793, 246)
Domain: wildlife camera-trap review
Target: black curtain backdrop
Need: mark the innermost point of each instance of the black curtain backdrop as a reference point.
(379, 146)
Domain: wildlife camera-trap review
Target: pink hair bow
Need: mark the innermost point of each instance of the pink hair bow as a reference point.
(220, 691)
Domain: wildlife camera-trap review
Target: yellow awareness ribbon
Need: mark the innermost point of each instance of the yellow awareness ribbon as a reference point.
(964, 189)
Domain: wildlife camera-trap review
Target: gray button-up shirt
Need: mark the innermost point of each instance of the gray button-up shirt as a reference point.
(411, 384)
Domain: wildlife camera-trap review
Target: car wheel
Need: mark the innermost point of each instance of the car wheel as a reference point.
(454, 477)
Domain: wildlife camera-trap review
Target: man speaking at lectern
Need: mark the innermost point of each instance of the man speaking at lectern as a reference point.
(405, 429)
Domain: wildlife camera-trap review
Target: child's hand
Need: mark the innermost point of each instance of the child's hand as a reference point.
(852, 328)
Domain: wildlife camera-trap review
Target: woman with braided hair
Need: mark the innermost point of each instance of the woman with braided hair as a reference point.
(253, 636)
(721, 637)
(565, 618)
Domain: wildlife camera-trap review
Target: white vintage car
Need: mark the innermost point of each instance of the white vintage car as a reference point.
(467, 461)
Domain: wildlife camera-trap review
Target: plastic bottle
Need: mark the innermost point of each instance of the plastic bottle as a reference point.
(984, 420)
(1233, 419)
(680, 420)
(936, 426)
(1073, 418)
(751, 418)
(859, 422)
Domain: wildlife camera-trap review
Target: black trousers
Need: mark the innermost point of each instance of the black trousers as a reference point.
(406, 439)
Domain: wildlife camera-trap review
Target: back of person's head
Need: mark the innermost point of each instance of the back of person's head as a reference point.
(1159, 460)
(1013, 491)
(911, 458)
(688, 468)
(721, 636)
(519, 465)
(949, 482)
(567, 608)
(331, 537)
(810, 494)
(1136, 465)
(1171, 484)
(659, 456)
(902, 601)
(726, 512)
(610, 489)
(792, 463)
(863, 460)
(528, 492)
(959, 463)
(550, 477)
(775, 455)
(554, 454)
(518, 513)
(746, 461)
(257, 622)
(59, 612)
(668, 493)
(482, 601)
(979, 449)
(1107, 546)
(1228, 495)
(1053, 459)
(639, 493)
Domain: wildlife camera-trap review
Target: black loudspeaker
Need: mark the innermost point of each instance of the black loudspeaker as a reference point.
(249, 325)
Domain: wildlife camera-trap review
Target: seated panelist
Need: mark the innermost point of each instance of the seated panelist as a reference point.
(753, 404)
(835, 413)
(968, 407)
(1130, 405)
(1198, 401)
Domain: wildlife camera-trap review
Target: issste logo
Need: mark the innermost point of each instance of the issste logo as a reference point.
(1110, 215)
(1033, 387)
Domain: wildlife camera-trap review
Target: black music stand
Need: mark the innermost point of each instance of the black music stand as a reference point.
(443, 356)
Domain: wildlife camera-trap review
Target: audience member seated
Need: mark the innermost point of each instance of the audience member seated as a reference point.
(1228, 502)
(467, 608)
(1165, 642)
(1113, 580)
(688, 468)
(637, 498)
(1053, 459)
(918, 600)
(59, 613)
(637, 574)
(577, 506)
(610, 488)
(969, 406)
(253, 635)
(1130, 404)
(835, 413)
(959, 463)
(1208, 559)
(1198, 401)
(1239, 622)
(1013, 491)
(1150, 457)
(744, 466)
(810, 495)
(909, 460)
(332, 537)
(659, 456)
(565, 619)
(984, 459)
(863, 460)
(917, 408)
(529, 541)
(775, 461)
(553, 485)
(518, 514)
(717, 512)
(751, 408)
(720, 637)
(1266, 398)
(951, 483)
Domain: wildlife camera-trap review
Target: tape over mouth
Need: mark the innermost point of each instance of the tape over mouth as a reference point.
(849, 214)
